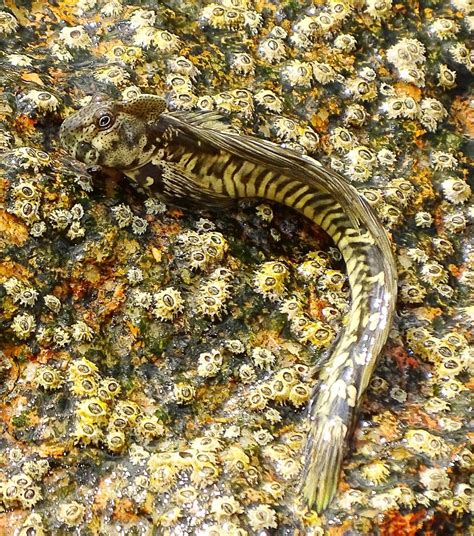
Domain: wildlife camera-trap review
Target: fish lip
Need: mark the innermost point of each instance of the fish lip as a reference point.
(83, 151)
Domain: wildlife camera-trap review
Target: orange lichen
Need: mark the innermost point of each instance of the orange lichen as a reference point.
(12, 230)
(401, 358)
(396, 524)
(463, 115)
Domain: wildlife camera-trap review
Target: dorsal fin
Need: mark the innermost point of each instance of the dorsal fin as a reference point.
(205, 119)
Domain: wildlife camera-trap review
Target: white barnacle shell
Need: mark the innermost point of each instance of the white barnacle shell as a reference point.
(75, 37)
(297, 74)
(406, 52)
(456, 190)
(168, 303)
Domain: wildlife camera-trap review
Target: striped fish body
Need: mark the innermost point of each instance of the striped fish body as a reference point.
(193, 157)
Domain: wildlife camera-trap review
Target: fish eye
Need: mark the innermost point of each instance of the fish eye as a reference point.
(105, 120)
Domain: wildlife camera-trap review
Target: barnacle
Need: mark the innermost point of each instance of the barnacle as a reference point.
(60, 336)
(27, 211)
(345, 42)
(183, 393)
(446, 77)
(186, 495)
(81, 368)
(412, 75)
(456, 190)
(209, 363)
(432, 113)
(292, 307)
(270, 280)
(444, 28)
(182, 65)
(36, 469)
(115, 440)
(455, 222)
(23, 325)
(299, 394)
(268, 100)
(149, 428)
(297, 74)
(412, 292)
(288, 468)
(286, 129)
(355, 115)
(386, 158)
(29, 496)
(352, 497)
(399, 192)
(262, 517)
(361, 89)
(406, 52)
(449, 367)
(8, 23)
(265, 212)
(162, 40)
(309, 139)
(342, 139)
(339, 9)
(263, 358)
(87, 433)
(326, 22)
(443, 160)
(323, 72)
(312, 331)
(383, 501)
(213, 15)
(433, 273)
(92, 411)
(168, 303)
(225, 506)
(154, 206)
(182, 99)
(127, 409)
(81, 332)
(379, 9)
(38, 229)
(211, 300)
(449, 425)
(405, 496)
(112, 8)
(435, 478)
(84, 387)
(71, 514)
(242, 63)
(376, 472)
(256, 401)
(75, 37)
(42, 100)
(60, 218)
(455, 505)
(423, 219)
(331, 280)
(426, 443)
(142, 17)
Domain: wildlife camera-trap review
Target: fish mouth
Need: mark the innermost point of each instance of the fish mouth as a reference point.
(84, 152)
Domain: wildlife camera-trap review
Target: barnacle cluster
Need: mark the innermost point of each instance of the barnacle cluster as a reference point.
(165, 356)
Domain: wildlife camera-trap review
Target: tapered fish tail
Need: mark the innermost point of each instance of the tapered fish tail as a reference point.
(345, 376)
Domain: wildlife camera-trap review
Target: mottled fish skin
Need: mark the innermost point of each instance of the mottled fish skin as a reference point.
(194, 156)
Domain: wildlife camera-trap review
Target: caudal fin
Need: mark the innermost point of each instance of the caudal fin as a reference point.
(324, 455)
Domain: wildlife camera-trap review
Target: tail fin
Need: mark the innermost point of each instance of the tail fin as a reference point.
(325, 449)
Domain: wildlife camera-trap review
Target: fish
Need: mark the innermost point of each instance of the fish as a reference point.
(197, 158)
